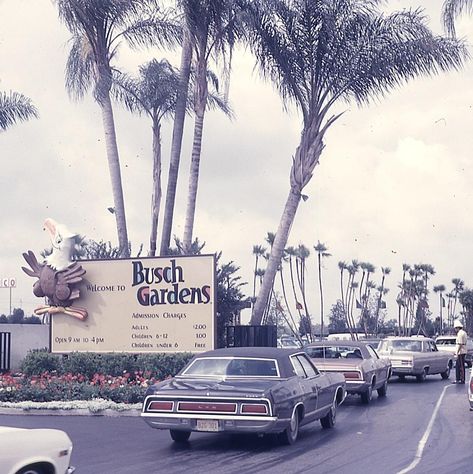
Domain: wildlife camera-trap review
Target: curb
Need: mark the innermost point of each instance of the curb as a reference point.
(71, 412)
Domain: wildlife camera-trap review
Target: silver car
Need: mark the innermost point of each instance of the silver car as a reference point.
(416, 356)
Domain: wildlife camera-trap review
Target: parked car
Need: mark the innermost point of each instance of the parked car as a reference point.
(470, 390)
(245, 390)
(363, 369)
(288, 342)
(448, 344)
(34, 451)
(417, 356)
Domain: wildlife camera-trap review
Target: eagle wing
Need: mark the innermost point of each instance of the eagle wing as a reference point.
(32, 261)
(67, 280)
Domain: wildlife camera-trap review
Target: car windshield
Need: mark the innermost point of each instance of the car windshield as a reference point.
(445, 342)
(402, 345)
(334, 352)
(233, 367)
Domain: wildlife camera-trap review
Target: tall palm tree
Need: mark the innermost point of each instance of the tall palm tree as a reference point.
(97, 28)
(208, 28)
(381, 291)
(215, 29)
(322, 252)
(318, 53)
(15, 107)
(154, 93)
(440, 289)
(258, 251)
(453, 9)
(342, 266)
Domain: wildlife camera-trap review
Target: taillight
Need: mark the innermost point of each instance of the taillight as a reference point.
(254, 408)
(160, 406)
(352, 375)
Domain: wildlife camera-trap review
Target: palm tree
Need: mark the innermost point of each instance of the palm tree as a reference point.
(215, 29)
(154, 94)
(208, 29)
(15, 107)
(318, 53)
(97, 28)
(258, 251)
(342, 266)
(322, 252)
(440, 289)
(381, 291)
(453, 9)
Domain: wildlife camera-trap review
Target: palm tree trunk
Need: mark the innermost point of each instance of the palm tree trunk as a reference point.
(193, 180)
(321, 299)
(115, 173)
(277, 250)
(157, 193)
(177, 133)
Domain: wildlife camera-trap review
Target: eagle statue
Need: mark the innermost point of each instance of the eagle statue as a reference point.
(58, 276)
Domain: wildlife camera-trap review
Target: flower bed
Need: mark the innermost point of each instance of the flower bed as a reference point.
(117, 378)
(47, 387)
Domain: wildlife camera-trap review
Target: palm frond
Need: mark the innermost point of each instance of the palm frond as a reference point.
(80, 67)
(15, 107)
(451, 10)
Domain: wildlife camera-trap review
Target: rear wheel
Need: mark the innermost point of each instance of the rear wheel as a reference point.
(367, 396)
(179, 436)
(34, 469)
(383, 389)
(328, 421)
(290, 434)
(421, 377)
(445, 375)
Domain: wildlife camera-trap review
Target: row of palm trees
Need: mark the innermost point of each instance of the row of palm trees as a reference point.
(318, 54)
(362, 302)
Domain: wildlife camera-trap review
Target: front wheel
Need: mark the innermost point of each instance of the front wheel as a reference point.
(421, 377)
(328, 421)
(180, 436)
(290, 434)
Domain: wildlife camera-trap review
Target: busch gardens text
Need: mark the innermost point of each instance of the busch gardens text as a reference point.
(175, 294)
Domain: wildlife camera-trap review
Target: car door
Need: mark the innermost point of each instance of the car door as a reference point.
(308, 376)
(381, 368)
(440, 358)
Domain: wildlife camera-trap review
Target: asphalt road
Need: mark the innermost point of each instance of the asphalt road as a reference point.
(382, 437)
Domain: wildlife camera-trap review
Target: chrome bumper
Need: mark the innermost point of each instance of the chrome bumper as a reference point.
(237, 424)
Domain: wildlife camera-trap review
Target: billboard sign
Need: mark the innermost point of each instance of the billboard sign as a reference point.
(162, 304)
(7, 282)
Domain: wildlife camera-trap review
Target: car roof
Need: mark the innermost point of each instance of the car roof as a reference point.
(280, 355)
(338, 343)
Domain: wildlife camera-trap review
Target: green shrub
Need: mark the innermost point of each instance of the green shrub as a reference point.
(158, 366)
(37, 362)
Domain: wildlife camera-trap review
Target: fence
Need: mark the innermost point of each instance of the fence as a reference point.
(5, 351)
(251, 336)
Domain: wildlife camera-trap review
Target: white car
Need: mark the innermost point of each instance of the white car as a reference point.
(448, 344)
(35, 451)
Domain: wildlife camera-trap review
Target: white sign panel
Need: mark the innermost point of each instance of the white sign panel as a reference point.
(164, 304)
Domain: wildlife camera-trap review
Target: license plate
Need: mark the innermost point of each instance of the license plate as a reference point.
(207, 425)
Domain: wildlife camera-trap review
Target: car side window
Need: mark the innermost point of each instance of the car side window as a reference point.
(307, 365)
(434, 346)
(298, 369)
(372, 352)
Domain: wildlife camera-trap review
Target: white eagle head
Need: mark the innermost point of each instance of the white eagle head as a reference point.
(62, 241)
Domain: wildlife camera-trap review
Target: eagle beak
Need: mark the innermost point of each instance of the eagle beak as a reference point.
(50, 226)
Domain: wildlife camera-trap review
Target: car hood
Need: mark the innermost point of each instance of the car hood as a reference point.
(213, 386)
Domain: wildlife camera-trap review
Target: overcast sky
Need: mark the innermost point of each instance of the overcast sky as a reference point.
(394, 185)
